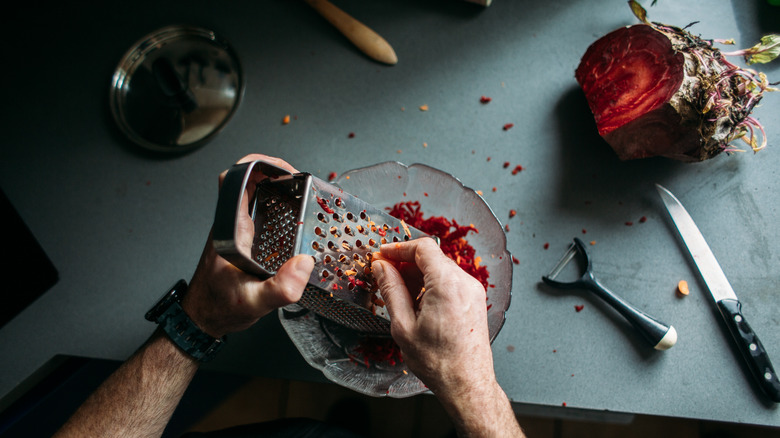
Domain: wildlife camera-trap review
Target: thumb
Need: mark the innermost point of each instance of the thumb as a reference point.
(286, 287)
(394, 292)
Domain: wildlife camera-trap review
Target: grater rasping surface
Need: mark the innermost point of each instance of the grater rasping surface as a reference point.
(302, 214)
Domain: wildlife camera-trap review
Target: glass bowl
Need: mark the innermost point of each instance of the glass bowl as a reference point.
(333, 349)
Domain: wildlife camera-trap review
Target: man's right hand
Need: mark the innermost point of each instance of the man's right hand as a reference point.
(443, 334)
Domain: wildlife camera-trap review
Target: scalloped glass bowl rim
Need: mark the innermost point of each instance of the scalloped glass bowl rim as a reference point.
(383, 195)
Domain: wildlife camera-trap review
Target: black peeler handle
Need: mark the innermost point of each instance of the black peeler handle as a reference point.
(655, 332)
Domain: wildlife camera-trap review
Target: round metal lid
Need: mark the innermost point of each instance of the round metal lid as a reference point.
(176, 88)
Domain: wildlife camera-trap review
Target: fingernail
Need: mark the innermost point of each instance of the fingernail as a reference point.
(304, 264)
(377, 270)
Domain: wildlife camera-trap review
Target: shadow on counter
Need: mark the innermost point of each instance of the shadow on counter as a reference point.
(592, 172)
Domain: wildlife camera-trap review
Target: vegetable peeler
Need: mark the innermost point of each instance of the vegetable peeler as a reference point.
(656, 333)
(266, 215)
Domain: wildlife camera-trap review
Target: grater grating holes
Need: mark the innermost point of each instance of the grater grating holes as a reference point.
(345, 314)
(274, 244)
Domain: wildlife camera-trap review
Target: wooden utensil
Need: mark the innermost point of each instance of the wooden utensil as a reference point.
(365, 39)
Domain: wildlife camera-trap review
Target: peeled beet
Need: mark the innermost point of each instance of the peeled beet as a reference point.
(657, 90)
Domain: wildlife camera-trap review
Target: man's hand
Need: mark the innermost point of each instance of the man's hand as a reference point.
(223, 299)
(443, 334)
(139, 398)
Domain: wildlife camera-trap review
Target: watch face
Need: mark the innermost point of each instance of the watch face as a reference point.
(172, 296)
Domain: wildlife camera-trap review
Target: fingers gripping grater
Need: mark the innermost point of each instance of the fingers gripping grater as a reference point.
(266, 215)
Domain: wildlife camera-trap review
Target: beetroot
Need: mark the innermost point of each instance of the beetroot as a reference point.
(658, 90)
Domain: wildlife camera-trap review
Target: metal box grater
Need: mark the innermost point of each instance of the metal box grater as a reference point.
(266, 215)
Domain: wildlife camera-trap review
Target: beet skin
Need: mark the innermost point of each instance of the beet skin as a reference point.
(657, 90)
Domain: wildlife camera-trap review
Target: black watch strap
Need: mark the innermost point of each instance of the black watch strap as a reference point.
(187, 336)
(182, 331)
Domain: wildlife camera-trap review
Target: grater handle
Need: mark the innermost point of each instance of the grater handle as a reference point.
(235, 195)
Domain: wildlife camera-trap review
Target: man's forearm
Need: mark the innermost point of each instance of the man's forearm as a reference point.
(139, 398)
(482, 412)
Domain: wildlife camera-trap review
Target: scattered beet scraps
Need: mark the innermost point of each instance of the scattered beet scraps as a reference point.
(512, 213)
(332, 176)
(517, 169)
(682, 288)
(508, 126)
(546, 245)
(351, 135)
(485, 99)
(506, 164)
(579, 307)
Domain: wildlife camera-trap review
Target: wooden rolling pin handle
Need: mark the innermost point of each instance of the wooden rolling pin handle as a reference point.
(365, 39)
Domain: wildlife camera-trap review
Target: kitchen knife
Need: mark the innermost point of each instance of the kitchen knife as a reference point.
(752, 351)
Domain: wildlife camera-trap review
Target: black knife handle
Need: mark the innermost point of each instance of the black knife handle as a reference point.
(751, 348)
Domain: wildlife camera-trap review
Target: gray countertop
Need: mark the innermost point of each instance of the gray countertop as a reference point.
(121, 225)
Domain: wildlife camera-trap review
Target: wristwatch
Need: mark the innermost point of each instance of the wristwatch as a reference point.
(169, 314)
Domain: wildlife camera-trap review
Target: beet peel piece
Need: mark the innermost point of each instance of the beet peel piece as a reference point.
(658, 90)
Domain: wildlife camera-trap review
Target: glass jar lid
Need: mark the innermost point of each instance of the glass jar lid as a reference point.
(176, 88)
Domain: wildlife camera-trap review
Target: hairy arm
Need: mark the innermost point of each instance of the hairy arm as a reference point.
(139, 398)
(444, 335)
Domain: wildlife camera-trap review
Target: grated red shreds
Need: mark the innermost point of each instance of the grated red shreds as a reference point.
(380, 350)
(324, 204)
(453, 243)
(451, 236)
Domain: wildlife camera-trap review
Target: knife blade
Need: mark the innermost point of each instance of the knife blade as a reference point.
(722, 293)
